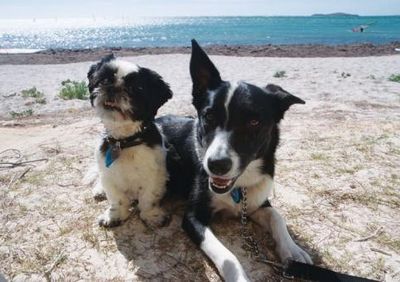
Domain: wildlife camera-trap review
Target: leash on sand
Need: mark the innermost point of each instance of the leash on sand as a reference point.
(290, 269)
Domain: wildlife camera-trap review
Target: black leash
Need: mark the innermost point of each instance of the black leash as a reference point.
(291, 269)
(294, 269)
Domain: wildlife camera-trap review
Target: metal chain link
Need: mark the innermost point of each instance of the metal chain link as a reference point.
(249, 243)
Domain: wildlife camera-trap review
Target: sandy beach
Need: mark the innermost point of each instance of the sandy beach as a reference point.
(337, 170)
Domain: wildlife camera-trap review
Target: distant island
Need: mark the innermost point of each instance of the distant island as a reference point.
(335, 15)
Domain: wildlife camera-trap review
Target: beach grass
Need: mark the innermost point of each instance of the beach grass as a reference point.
(74, 90)
(34, 93)
(345, 74)
(395, 78)
(279, 74)
(21, 114)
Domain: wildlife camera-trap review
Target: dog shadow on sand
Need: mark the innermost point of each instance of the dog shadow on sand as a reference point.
(166, 253)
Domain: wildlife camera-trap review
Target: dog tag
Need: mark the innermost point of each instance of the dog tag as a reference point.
(112, 153)
(236, 195)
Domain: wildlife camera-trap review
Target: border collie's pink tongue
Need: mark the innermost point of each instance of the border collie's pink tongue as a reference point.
(220, 181)
(220, 185)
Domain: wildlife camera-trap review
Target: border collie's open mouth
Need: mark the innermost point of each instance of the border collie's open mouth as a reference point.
(221, 185)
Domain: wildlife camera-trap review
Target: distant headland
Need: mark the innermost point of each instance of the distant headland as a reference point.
(335, 15)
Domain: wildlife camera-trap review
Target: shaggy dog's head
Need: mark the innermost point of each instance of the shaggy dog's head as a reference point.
(122, 92)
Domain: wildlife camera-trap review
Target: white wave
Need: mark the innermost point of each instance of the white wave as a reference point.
(19, 51)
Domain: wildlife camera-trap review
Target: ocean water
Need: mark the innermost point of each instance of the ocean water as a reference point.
(150, 32)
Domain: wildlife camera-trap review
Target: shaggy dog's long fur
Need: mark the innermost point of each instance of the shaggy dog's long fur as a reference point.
(131, 155)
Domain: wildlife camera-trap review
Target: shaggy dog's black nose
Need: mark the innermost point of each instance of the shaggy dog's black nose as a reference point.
(219, 166)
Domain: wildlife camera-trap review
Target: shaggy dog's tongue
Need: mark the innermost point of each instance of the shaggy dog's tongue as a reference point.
(114, 106)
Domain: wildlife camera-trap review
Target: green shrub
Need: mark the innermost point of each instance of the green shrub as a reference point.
(34, 93)
(395, 78)
(279, 74)
(74, 90)
(25, 113)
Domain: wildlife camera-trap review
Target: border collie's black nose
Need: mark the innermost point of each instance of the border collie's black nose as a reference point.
(219, 166)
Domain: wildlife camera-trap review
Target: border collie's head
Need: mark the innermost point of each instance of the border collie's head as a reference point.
(238, 122)
(124, 92)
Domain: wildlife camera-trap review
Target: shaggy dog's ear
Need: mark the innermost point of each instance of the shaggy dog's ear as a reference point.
(150, 88)
(92, 77)
(284, 98)
(205, 75)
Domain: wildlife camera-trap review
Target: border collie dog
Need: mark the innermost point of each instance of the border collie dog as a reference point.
(131, 158)
(230, 145)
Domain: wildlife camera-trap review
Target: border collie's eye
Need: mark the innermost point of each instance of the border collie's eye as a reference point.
(209, 116)
(253, 123)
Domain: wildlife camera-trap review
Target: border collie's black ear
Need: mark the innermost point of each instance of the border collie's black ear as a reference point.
(203, 72)
(95, 67)
(285, 99)
(155, 89)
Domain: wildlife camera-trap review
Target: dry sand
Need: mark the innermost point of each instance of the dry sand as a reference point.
(337, 175)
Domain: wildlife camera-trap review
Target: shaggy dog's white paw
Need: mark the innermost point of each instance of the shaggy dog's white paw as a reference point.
(98, 193)
(112, 218)
(105, 221)
(99, 197)
(155, 217)
(293, 252)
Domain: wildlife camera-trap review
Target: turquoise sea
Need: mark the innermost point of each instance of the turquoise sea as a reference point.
(150, 32)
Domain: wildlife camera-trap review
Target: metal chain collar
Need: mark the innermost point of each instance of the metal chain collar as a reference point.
(249, 243)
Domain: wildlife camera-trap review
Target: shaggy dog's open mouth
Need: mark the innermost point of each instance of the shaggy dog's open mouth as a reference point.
(221, 185)
(112, 106)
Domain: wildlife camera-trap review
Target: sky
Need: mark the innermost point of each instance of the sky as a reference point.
(10, 9)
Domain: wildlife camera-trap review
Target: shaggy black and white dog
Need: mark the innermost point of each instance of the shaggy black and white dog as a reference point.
(131, 156)
(230, 145)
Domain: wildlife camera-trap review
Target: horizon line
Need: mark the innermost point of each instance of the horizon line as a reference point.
(201, 16)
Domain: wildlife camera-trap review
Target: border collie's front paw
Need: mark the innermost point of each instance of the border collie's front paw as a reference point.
(294, 252)
(233, 271)
(155, 217)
